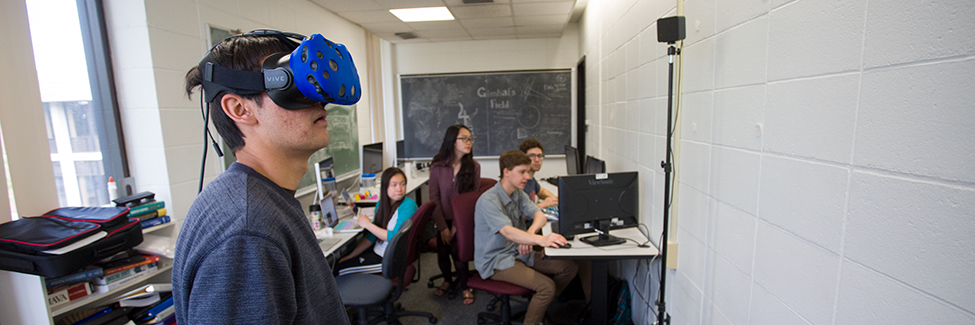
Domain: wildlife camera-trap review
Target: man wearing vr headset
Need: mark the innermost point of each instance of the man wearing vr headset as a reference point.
(245, 253)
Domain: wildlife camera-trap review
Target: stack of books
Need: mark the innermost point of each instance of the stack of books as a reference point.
(150, 214)
(103, 276)
(143, 205)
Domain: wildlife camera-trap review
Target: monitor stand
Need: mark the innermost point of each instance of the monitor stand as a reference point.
(604, 238)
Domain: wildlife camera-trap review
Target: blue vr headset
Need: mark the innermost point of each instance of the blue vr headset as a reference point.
(318, 70)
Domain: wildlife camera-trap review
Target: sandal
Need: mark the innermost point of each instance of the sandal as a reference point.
(468, 296)
(443, 289)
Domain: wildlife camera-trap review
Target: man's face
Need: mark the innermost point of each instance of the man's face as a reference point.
(517, 176)
(537, 157)
(302, 131)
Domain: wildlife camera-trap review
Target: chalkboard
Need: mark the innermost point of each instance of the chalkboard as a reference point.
(343, 144)
(502, 109)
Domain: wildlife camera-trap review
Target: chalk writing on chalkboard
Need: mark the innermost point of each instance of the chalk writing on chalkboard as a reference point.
(502, 109)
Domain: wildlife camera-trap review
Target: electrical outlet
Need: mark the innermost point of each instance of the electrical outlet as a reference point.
(671, 255)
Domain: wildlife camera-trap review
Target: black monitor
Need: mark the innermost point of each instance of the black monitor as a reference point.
(400, 151)
(572, 164)
(588, 203)
(595, 165)
(372, 158)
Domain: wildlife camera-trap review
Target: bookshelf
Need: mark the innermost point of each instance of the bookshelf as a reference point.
(159, 227)
(96, 299)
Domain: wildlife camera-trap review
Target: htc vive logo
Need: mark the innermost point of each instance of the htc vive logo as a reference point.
(601, 182)
(276, 78)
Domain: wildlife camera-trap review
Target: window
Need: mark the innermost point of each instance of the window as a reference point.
(75, 79)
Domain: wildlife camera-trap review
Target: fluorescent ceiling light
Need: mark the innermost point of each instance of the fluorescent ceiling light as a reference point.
(422, 14)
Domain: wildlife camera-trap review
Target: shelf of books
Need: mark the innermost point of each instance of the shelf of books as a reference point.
(93, 291)
(157, 227)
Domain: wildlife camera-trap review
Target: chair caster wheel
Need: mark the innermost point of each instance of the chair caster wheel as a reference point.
(430, 284)
(433, 320)
(481, 321)
(490, 307)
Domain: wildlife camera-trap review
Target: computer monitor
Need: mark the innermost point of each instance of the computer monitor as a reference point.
(400, 151)
(595, 165)
(588, 203)
(372, 158)
(572, 164)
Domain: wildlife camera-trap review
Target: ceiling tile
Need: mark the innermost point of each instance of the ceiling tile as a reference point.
(491, 31)
(540, 35)
(542, 8)
(397, 4)
(372, 16)
(461, 2)
(539, 29)
(487, 22)
(491, 37)
(453, 33)
(339, 6)
(434, 25)
(480, 11)
(541, 20)
(376, 28)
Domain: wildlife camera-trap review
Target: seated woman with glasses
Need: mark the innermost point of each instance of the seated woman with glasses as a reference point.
(536, 192)
(453, 171)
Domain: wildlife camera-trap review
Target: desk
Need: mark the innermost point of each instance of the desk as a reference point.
(600, 256)
(413, 182)
(331, 244)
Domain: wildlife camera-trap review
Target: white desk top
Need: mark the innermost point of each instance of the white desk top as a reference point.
(580, 250)
(413, 182)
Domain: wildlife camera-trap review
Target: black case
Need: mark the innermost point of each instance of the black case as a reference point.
(122, 233)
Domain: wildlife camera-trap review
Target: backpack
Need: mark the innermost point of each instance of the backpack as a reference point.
(619, 293)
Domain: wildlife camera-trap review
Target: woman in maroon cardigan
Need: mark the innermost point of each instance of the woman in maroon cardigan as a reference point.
(453, 171)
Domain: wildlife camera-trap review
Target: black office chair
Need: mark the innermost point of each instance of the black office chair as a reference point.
(369, 290)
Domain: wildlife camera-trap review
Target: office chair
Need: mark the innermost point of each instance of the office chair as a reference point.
(369, 290)
(420, 219)
(486, 183)
(464, 221)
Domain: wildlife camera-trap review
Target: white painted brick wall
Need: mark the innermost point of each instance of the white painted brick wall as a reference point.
(805, 198)
(733, 235)
(738, 112)
(918, 120)
(829, 179)
(739, 54)
(815, 37)
(812, 118)
(797, 272)
(734, 177)
(917, 232)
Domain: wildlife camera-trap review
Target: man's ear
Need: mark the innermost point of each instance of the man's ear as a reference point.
(238, 109)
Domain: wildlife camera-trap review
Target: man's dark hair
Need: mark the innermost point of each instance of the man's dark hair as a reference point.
(240, 53)
(529, 144)
(511, 159)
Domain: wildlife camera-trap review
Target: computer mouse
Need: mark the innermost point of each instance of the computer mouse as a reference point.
(567, 245)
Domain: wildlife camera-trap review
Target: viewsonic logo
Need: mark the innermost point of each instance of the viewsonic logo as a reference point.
(601, 182)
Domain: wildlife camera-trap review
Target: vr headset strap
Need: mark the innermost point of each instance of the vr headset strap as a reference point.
(235, 81)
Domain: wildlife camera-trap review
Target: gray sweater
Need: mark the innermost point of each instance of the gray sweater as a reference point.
(246, 255)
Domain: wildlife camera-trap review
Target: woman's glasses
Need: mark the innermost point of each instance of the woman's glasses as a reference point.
(466, 139)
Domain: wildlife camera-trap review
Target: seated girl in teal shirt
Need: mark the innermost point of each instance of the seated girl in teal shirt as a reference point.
(392, 210)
